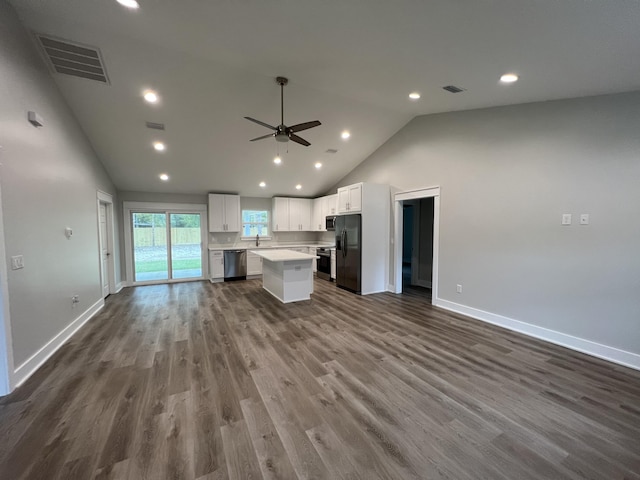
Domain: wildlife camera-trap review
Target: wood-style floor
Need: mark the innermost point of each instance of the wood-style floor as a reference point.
(201, 381)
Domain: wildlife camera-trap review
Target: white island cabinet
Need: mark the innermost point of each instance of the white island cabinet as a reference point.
(287, 275)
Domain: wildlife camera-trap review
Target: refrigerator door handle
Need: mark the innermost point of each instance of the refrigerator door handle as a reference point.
(344, 243)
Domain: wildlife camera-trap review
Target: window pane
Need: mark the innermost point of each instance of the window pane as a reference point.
(150, 256)
(255, 222)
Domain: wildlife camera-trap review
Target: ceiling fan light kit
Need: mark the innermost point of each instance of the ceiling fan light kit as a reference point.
(282, 133)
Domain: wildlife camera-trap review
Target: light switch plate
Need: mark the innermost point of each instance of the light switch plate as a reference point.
(566, 219)
(584, 219)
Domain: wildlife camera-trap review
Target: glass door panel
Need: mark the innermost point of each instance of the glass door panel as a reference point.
(150, 249)
(186, 249)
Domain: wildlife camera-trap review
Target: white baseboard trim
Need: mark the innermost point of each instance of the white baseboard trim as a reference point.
(36, 360)
(611, 354)
(120, 286)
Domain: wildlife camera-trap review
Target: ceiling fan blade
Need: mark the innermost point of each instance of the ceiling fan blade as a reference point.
(304, 126)
(260, 123)
(299, 140)
(262, 137)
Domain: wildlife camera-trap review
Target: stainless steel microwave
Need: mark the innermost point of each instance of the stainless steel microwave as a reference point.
(330, 223)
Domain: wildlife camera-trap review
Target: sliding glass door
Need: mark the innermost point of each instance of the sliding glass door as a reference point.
(166, 246)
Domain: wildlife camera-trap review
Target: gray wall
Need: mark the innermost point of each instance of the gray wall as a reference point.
(49, 178)
(506, 176)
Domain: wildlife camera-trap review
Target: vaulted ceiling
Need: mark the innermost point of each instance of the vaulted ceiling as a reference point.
(351, 65)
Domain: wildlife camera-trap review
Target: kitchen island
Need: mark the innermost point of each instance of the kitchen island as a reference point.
(287, 275)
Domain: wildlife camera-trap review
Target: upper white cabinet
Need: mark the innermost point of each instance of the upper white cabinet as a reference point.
(350, 198)
(224, 213)
(322, 208)
(280, 214)
(300, 214)
(332, 204)
(291, 214)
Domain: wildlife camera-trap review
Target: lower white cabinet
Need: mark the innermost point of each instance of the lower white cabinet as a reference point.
(333, 263)
(314, 264)
(216, 265)
(254, 264)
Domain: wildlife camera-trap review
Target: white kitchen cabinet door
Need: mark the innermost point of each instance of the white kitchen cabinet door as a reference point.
(350, 199)
(232, 213)
(224, 213)
(312, 251)
(343, 200)
(280, 214)
(254, 264)
(332, 204)
(319, 214)
(216, 264)
(300, 214)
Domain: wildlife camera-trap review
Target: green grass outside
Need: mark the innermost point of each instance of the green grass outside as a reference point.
(162, 266)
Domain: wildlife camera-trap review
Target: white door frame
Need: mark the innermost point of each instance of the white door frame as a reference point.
(7, 377)
(107, 200)
(153, 207)
(398, 200)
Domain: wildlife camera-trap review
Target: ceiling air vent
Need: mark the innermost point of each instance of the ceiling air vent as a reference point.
(73, 59)
(331, 150)
(155, 126)
(453, 89)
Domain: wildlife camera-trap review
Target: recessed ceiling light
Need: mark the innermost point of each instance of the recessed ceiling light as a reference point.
(509, 78)
(277, 160)
(164, 177)
(414, 96)
(345, 135)
(129, 3)
(159, 146)
(298, 187)
(151, 96)
(318, 165)
(262, 184)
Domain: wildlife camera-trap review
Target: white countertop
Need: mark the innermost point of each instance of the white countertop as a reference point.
(270, 246)
(282, 255)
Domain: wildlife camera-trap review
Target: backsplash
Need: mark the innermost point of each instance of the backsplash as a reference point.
(234, 239)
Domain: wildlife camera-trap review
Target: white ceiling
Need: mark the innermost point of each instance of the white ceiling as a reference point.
(351, 64)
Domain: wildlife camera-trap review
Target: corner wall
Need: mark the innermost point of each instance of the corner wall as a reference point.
(506, 175)
(50, 177)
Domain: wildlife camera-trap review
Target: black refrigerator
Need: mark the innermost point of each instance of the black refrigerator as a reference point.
(348, 252)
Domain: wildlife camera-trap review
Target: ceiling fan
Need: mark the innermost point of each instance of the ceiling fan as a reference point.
(282, 133)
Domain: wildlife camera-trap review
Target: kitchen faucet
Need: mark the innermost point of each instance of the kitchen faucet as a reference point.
(258, 240)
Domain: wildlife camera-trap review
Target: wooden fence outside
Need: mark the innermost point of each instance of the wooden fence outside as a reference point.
(152, 237)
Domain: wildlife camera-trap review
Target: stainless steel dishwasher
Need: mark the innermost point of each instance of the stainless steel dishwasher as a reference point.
(235, 265)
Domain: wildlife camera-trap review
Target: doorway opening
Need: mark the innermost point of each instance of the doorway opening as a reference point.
(417, 246)
(416, 242)
(165, 243)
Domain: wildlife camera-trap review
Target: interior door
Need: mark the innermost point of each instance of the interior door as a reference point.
(104, 250)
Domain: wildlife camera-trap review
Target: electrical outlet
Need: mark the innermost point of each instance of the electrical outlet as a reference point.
(17, 262)
(566, 219)
(75, 299)
(459, 288)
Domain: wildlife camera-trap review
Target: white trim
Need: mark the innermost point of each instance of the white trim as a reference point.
(611, 354)
(36, 360)
(7, 382)
(127, 207)
(398, 198)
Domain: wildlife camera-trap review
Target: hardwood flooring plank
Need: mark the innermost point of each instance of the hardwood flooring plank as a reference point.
(216, 381)
(242, 462)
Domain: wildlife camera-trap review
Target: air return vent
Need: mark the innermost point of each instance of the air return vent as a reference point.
(331, 150)
(155, 126)
(453, 89)
(73, 59)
